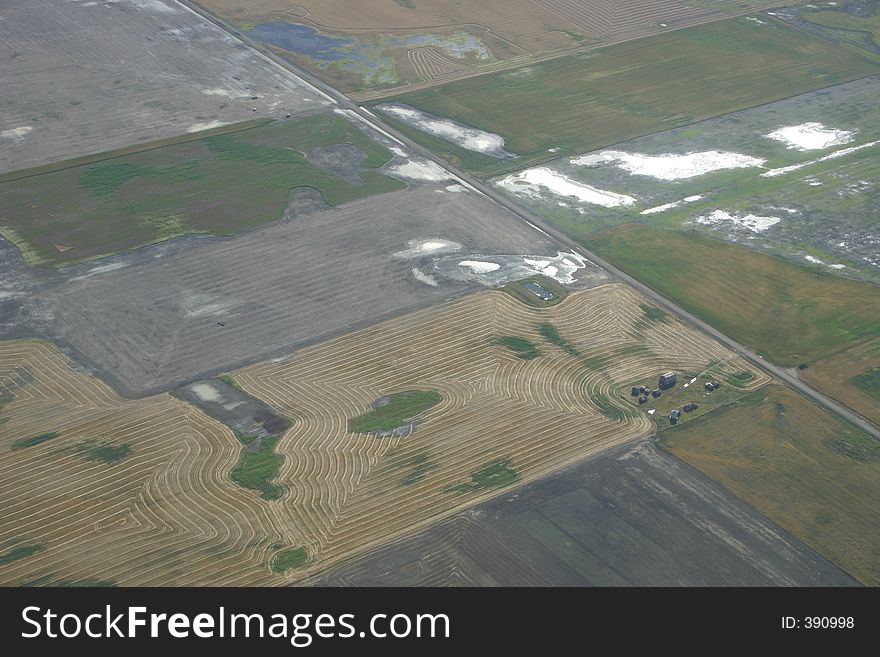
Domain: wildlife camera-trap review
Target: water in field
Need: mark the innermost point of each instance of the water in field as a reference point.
(303, 39)
(372, 60)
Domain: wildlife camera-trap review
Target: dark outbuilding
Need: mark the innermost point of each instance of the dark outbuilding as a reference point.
(667, 380)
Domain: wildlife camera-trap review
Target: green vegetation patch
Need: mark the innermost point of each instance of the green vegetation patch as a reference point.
(106, 452)
(609, 409)
(523, 348)
(634, 88)
(21, 443)
(868, 382)
(228, 380)
(19, 552)
(289, 559)
(497, 474)
(395, 411)
(551, 334)
(653, 313)
(780, 309)
(421, 465)
(740, 378)
(221, 184)
(256, 469)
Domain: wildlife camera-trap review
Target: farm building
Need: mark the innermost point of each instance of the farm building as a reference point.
(690, 406)
(656, 393)
(539, 291)
(643, 399)
(667, 380)
(674, 414)
(635, 392)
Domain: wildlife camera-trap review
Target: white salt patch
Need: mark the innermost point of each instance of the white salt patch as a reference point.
(754, 223)
(217, 91)
(831, 156)
(479, 267)
(419, 248)
(100, 269)
(816, 261)
(456, 188)
(419, 170)
(651, 411)
(198, 127)
(467, 137)
(195, 304)
(561, 268)
(16, 134)
(154, 5)
(810, 136)
(670, 206)
(233, 405)
(531, 181)
(206, 392)
(424, 278)
(397, 151)
(670, 166)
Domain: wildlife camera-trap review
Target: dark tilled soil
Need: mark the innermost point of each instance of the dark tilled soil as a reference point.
(634, 516)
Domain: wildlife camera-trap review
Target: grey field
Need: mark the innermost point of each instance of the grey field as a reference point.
(632, 516)
(150, 319)
(83, 77)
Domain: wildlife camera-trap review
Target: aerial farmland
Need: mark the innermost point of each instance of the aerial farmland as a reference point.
(546, 293)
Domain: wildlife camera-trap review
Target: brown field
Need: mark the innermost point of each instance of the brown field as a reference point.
(833, 376)
(169, 514)
(515, 30)
(806, 470)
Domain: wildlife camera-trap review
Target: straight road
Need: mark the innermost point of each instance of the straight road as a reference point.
(525, 215)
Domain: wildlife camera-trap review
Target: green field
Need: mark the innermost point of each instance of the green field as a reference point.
(396, 411)
(256, 469)
(859, 31)
(869, 382)
(785, 312)
(814, 475)
(581, 103)
(220, 184)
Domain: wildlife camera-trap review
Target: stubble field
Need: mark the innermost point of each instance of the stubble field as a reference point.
(160, 502)
(82, 77)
